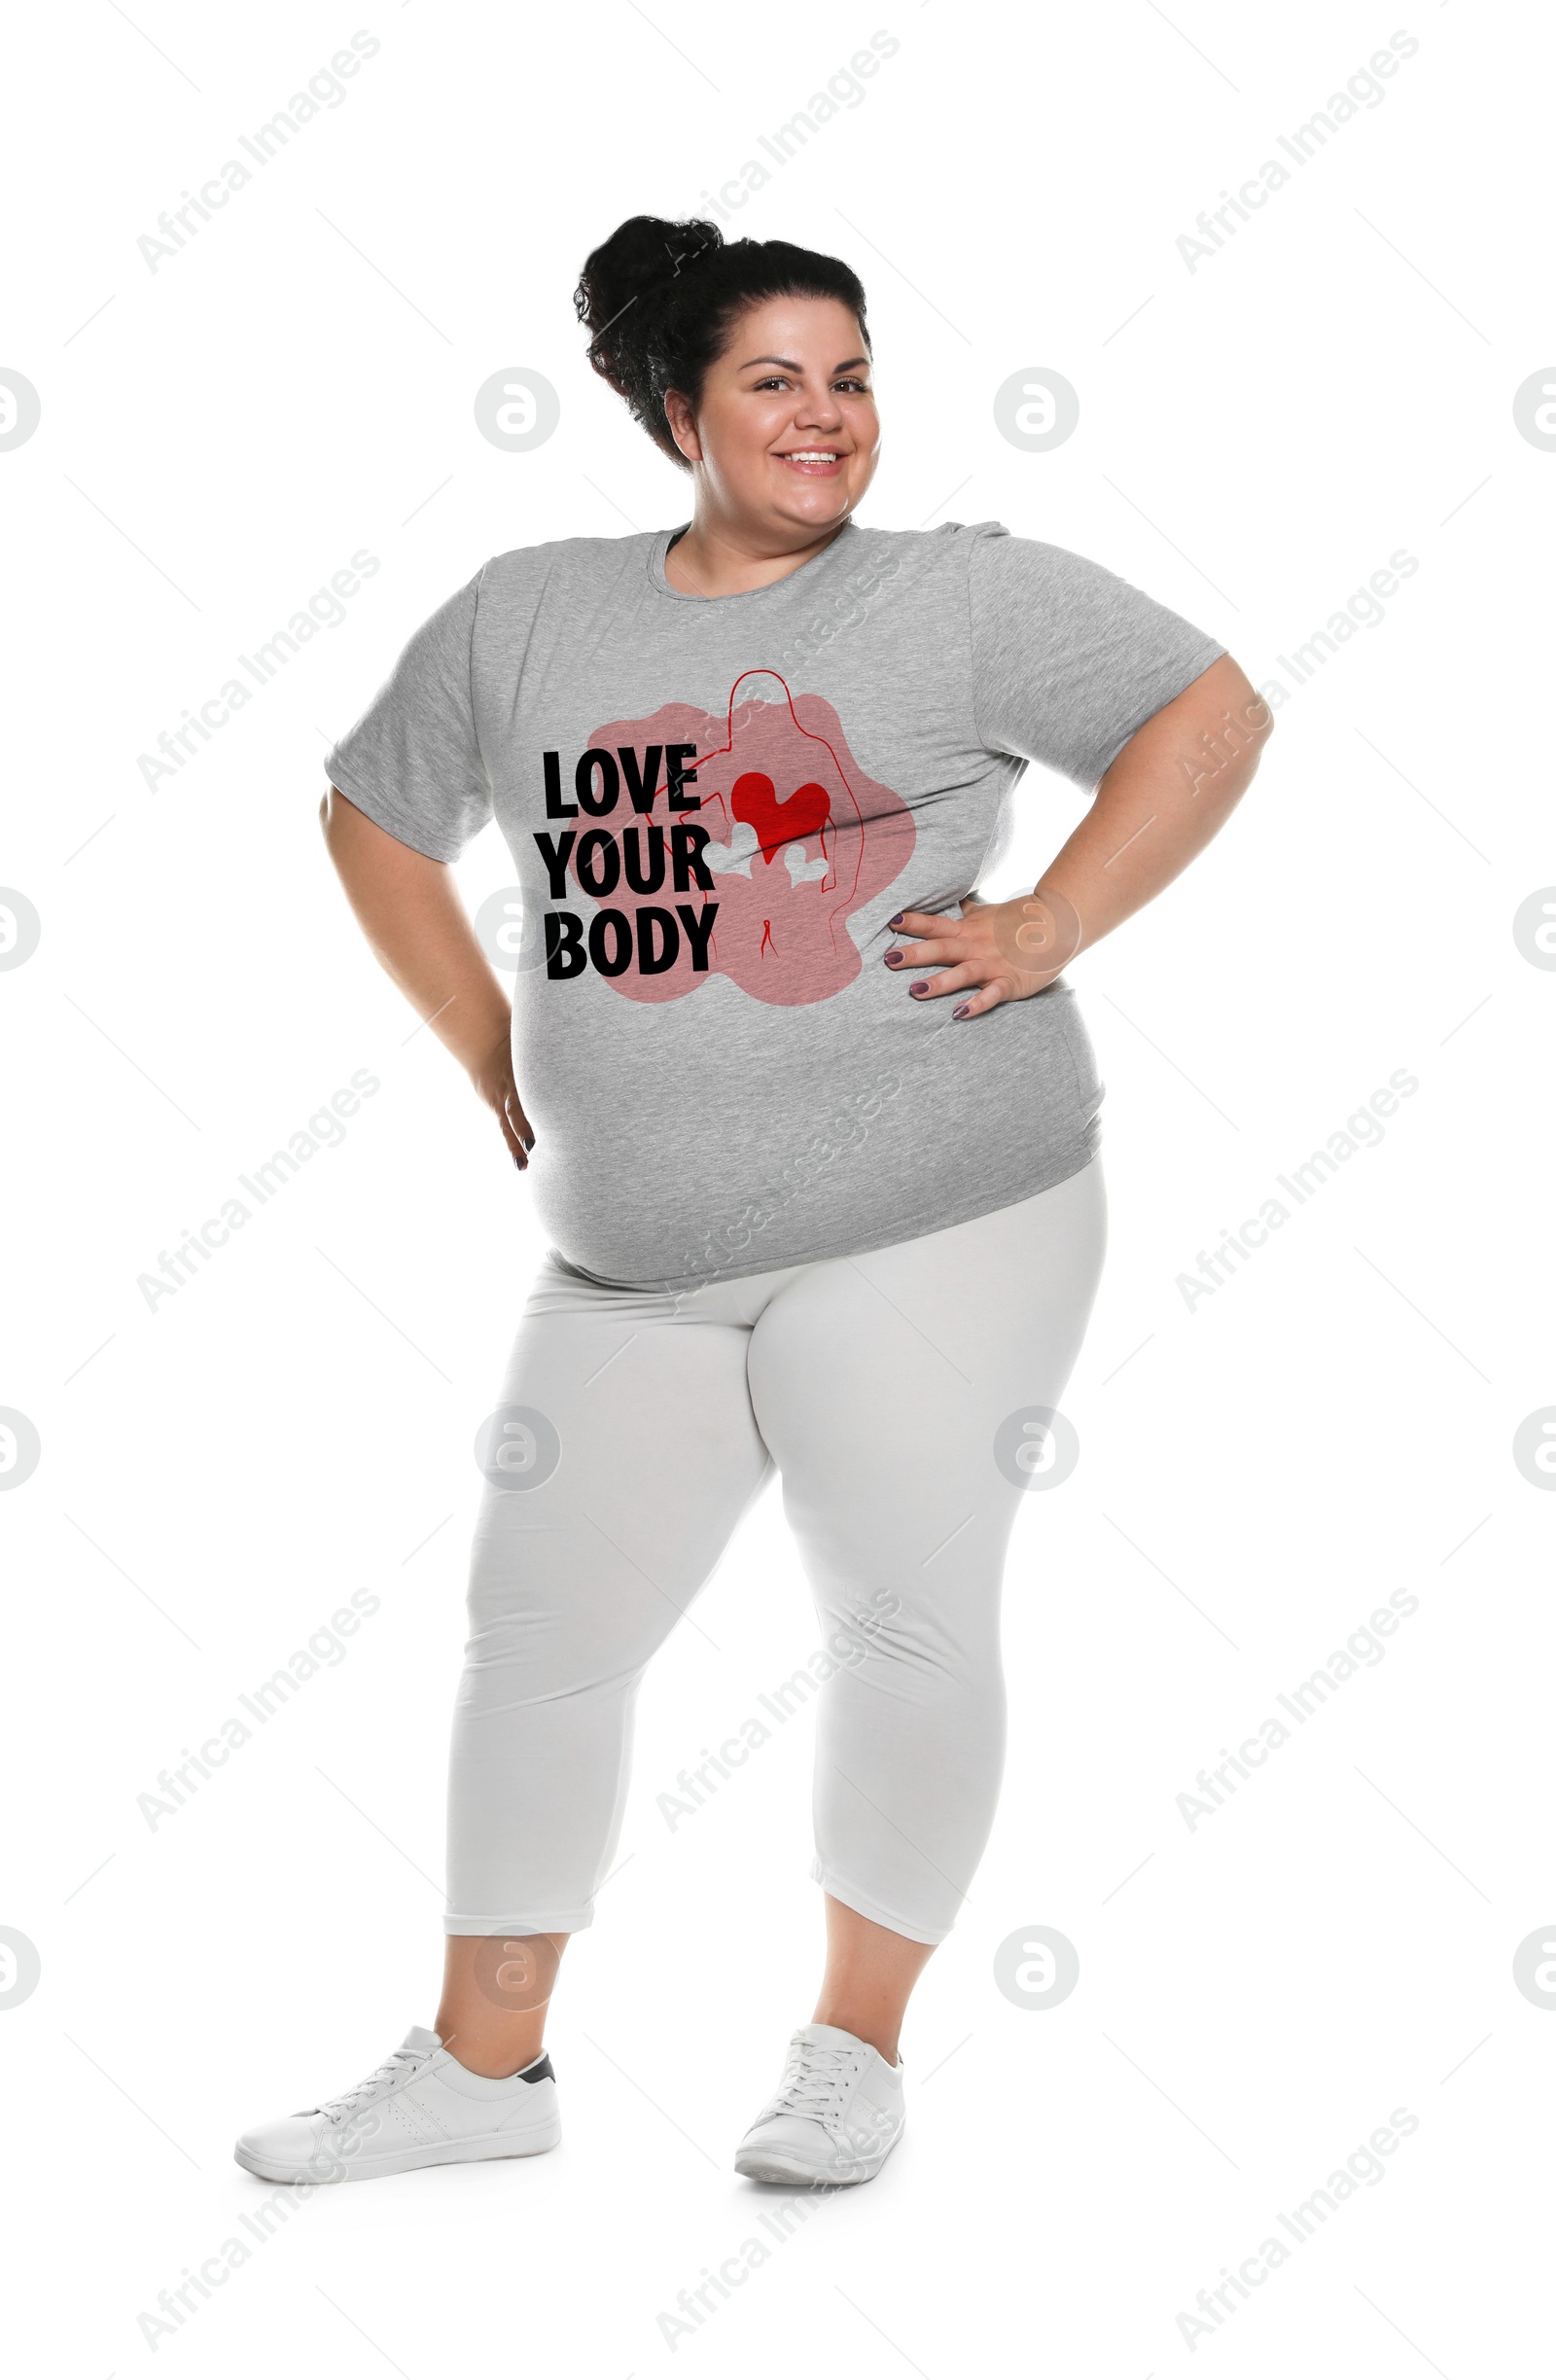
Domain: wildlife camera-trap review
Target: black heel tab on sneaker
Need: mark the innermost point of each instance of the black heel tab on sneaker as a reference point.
(542, 2071)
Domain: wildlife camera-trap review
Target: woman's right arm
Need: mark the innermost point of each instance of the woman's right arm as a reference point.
(417, 930)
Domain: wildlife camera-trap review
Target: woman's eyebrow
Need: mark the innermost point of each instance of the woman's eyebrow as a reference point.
(789, 365)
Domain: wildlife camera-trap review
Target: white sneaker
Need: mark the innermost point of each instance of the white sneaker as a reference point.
(420, 2108)
(836, 2117)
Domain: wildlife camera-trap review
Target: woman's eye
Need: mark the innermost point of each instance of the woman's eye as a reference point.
(855, 388)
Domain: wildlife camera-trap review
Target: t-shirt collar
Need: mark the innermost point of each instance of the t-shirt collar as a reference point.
(809, 570)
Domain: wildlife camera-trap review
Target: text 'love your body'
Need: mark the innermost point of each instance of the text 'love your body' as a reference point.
(641, 857)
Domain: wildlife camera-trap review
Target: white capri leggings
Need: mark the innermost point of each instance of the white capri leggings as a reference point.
(889, 1388)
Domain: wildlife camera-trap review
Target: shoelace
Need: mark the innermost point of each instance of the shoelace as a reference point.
(398, 2063)
(816, 2081)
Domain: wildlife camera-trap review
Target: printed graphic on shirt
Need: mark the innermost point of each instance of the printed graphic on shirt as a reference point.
(687, 845)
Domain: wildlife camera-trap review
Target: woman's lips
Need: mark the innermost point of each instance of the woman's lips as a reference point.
(811, 465)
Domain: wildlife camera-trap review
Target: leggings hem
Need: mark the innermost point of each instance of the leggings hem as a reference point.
(878, 1914)
(564, 1921)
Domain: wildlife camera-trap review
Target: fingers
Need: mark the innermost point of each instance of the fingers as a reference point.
(986, 981)
(951, 980)
(988, 996)
(957, 970)
(970, 952)
(921, 954)
(941, 940)
(516, 1131)
(943, 949)
(939, 946)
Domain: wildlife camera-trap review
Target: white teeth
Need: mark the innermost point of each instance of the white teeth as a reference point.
(812, 457)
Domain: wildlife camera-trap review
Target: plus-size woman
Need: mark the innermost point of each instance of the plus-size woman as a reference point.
(811, 1129)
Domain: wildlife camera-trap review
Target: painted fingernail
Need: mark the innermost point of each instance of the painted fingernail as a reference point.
(965, 1010)
(897, 920)
(918, 990)
(894, 958)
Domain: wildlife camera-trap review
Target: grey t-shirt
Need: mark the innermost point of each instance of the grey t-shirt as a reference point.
(714, 805)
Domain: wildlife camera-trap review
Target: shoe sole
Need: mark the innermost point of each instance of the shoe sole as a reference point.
(770, 2165)
(402, 2160)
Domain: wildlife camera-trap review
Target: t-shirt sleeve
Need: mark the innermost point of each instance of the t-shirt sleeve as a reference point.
(1067, 661)
(412, 761)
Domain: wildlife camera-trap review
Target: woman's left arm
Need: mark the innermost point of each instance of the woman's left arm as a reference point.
(1172, 787)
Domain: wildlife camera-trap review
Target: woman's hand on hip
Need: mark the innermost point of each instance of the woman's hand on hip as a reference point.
(1159, 802)
(416, 926)
(493, 1079)
(996, 950)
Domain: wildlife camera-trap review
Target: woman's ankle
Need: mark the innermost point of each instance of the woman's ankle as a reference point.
(496, 1993)
(495, 2060)
(863, 2024)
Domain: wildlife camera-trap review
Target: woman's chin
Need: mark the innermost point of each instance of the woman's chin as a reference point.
(819, 505)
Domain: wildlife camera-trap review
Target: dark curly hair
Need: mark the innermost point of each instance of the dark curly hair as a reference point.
(661, 300)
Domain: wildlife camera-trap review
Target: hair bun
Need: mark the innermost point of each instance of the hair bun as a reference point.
(641, 254)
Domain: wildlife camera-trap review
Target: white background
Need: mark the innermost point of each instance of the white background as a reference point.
(1258, 1473)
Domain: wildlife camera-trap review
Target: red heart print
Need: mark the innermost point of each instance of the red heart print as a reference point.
(806, 812)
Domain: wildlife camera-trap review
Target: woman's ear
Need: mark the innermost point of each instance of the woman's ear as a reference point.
(682, 425)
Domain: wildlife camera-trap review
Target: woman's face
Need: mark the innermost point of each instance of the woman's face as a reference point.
(787, 434)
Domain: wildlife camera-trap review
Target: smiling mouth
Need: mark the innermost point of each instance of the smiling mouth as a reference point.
(816, 461)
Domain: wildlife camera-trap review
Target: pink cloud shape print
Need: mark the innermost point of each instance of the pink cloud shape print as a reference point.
(795, 839)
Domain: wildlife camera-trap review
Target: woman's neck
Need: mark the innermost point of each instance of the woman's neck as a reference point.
(709, 559)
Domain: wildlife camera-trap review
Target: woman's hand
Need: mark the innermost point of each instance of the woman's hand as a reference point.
(996, 950)
(1157, 804)
(408, 908)
(493, 1079)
